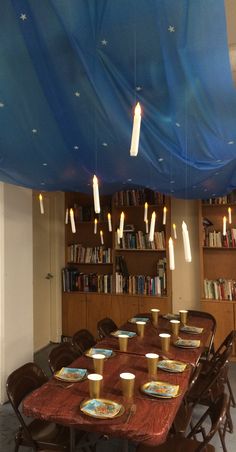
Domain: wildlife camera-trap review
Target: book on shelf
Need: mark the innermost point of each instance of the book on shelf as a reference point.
(215, 239)
(220, 289)
(140, 241)
(73, 280)
(137, 197)
(76, 253)
(230, 198)
(86, 213)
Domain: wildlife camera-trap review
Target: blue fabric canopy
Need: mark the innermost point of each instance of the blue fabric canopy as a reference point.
(72, 72)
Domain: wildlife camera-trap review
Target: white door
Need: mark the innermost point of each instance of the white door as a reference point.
(42, 274)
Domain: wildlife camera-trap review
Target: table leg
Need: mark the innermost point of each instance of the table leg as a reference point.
(72, 439)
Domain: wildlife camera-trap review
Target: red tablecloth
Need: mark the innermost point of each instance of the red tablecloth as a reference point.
(153, 417)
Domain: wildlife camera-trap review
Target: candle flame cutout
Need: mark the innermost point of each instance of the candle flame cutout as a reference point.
(67, 216)
(72, 221)
(171, 254)
(152, 227)
(164, 215)
(109, 222)
(95, 225)
(136, 131)
(41, 204)
(224, 225)
(96, 195)
(187, 248)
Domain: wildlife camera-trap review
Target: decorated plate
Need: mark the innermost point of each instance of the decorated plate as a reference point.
(71, 374)
(138, 319)
(102, 408)
(187, 343)
(170, 365)
(103, 351)
(170, 316)
(128, 333)
(191, 329)
(160, 389)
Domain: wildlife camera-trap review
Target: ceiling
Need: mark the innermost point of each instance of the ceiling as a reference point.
(72, 72)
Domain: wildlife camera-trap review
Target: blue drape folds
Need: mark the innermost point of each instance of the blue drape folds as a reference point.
(71, 73)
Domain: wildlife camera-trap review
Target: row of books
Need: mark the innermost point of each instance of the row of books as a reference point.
(140, 240)
(77, 253)
(86, 213)
(227, 199)
(220, 289)
(73, 280)
(139, 285)
(138, 197)
(217, 239)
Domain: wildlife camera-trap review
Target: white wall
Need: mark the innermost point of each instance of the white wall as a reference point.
(16, 279)
(186, 276)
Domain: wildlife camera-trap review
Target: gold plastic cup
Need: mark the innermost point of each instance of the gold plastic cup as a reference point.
(175, 324)
(123, 342)
(98, 363)
(155, 313)
(183, 316)
(152, 360)
(94, 385)
(127, 384)
(165, 341)
(140, 328)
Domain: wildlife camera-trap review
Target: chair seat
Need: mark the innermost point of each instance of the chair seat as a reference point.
(46, 433)
(176, 444)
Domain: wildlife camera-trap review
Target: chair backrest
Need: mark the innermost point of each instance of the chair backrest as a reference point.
(206, 315)
(20, 383)
(105, 327)
(226, 344)
(83, 340)
(216, 412)
(213, 382)
(62, 355)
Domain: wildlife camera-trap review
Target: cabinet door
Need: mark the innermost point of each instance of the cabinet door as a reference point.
(147, 303)
(223, 312)
(98, 307)
(73, 313)
(124, 307)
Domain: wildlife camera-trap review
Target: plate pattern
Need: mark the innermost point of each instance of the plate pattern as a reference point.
(71, 374)
(160, 389)
(128, 333)
(104, 351)
(170, 365)
(187, 343)
(102, 408)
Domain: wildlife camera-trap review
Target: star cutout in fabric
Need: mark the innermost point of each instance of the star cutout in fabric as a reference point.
(104, 42)
(171, 29)
(104, 144)
(45, 164)
(177, 124)
(1, 104)
(230, 142)
(76, 147)
(34, 130)
(23, 17)
(160, 159)
(138, 88)
(77, 94)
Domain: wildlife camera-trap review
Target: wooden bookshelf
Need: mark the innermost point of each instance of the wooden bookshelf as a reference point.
(84, 309)
(218, 265)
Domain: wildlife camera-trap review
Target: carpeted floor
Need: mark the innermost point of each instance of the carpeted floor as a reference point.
(9, 423)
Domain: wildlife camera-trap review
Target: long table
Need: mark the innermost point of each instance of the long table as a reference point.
(153, 417)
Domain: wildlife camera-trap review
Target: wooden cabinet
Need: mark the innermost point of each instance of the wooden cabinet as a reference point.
(218, 263)
(98, 307)
(92, 282)
(74, 313)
